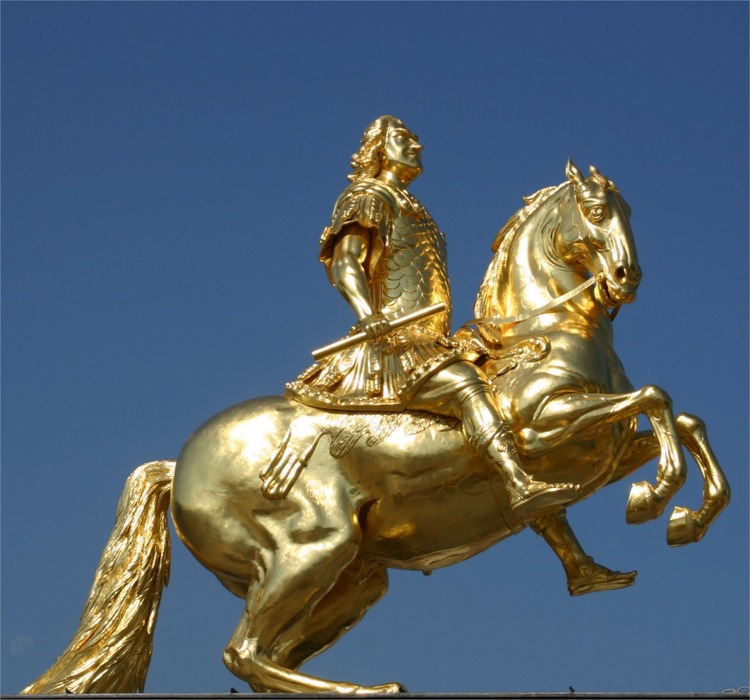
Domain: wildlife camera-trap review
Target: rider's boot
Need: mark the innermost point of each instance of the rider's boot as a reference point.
(528, 496)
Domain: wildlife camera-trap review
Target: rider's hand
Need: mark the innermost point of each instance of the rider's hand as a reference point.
(376, 326)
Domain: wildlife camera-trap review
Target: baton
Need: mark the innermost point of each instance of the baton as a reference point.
(360, 337)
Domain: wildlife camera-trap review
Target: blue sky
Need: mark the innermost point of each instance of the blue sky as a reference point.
(166, 171)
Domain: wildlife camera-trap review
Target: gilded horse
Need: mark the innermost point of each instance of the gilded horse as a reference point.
(365, 492)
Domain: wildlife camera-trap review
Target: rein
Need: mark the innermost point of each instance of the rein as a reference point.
(542, 309)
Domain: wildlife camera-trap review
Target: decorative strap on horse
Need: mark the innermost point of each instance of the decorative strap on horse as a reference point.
(345, 430)
(536, 312)
(290, 457)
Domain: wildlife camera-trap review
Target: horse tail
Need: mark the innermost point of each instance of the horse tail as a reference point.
(111, 651)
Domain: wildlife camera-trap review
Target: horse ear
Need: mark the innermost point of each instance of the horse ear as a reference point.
(573, 173)
(597, 177)
(601, 179)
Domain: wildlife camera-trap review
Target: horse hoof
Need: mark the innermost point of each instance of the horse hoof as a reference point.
(389, 688)
(643, 504)
(684, 527)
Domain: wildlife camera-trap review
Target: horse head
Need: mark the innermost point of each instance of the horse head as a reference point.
(566, 237)
(597, 236)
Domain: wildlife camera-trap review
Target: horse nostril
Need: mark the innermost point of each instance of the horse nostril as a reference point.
(627, 275)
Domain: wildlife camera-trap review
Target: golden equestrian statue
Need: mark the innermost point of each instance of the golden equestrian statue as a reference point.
(403, 446)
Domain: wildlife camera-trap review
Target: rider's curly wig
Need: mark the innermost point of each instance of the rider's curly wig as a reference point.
(366, 161)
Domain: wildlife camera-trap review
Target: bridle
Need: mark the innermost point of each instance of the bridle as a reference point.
(557, 301)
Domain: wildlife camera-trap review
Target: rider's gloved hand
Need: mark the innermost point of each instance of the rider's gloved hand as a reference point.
(376, 326)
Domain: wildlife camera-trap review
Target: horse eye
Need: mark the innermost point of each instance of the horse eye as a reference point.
(595, 214)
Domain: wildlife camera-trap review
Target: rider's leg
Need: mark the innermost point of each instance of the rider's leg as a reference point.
(461, 389)
(583, 573)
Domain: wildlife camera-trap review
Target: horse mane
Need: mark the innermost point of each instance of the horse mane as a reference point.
(533, 202)
(485, 302)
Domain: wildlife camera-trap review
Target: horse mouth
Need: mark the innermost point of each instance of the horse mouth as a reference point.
(610, 297)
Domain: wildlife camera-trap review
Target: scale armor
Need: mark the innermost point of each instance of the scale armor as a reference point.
(407, 270)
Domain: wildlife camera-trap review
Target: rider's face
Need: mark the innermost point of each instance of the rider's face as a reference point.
(402, 153)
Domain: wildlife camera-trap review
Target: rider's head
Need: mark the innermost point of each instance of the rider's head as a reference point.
(388, 145)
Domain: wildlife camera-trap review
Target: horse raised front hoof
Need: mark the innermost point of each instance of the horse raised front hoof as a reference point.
(684, 527)
(643, 504)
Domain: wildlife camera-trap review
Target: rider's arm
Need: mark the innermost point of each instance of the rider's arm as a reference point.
(347, 269)
(349, 277)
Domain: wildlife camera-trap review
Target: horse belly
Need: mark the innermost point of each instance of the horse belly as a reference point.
(431, 503)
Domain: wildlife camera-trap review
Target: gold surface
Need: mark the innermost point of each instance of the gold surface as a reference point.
(111, 650)
(300, 510)
(386, 255)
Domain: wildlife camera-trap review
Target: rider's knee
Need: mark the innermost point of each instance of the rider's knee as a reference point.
(445, 390)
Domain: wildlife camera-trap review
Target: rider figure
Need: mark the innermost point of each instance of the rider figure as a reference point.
(387, 257)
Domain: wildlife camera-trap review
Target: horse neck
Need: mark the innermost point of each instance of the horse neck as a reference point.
(534, 272)
(528, 273)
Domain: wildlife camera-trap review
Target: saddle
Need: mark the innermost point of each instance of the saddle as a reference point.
(345, 430)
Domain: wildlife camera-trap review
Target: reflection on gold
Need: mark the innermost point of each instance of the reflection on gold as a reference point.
(408, 447)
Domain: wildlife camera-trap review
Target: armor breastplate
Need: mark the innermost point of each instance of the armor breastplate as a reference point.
(406, 270)
(412, 272)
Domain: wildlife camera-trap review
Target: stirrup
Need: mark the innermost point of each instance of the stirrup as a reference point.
(541, 498)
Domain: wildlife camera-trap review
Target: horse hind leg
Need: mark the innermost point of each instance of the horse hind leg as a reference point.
(357, 589)
(291, 582)
(583, 573)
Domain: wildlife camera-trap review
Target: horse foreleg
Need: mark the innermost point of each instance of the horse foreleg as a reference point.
(685, 525)
(565, 416)
(583, 573)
